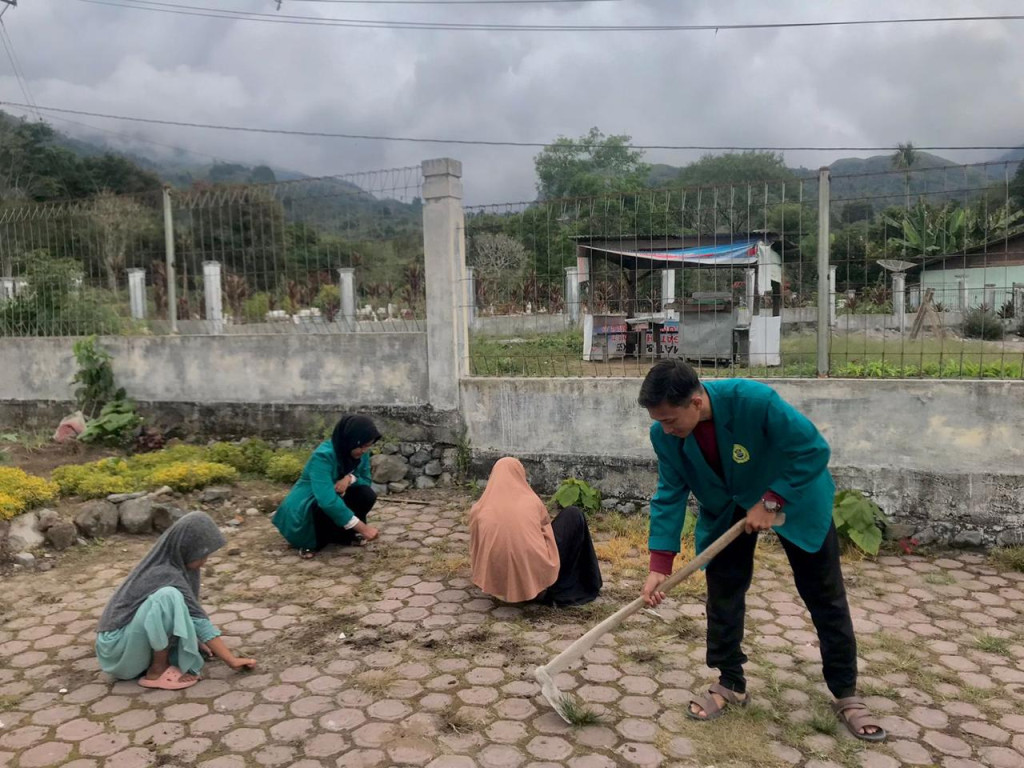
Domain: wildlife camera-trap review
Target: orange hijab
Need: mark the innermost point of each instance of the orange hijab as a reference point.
(512, 547)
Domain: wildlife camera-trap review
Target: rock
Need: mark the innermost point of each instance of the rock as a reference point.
(445, 478)
(47, 519)
(25, 559)
(387, 468)
(1010, 538)
(62, 535)
(24, 533)
(166, 515)
(420, 458)
(406, 449)
(424, 483)
(928, 536)
(380, 489)
(161, 491)
(398, 487)
(136, 515)
(214, 494)
(389, 449)
(433, 468)
(628, 508)
(412, 473)
(252, 512)
(481, 483)
(235, 551)
(897, 531)
(436, 452)
(450, 458)
(609, 503)
(118, 498)
(286, 444)
(967, 539)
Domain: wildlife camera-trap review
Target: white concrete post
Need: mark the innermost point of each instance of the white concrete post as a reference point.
(572, 293)
(990, 297)
(961, 292)
(212, 295)
(832, 296)
(444, 253)
(347, 292)
(750, 290)
(1018, 301)
(172, 286)
(899, 300)
(137, 293)
(668, 288)
(824, 236)
(470, 295)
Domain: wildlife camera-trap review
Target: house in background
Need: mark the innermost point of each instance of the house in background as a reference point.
(991, 274)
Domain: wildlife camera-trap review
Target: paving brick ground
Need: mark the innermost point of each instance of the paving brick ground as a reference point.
(430, 672)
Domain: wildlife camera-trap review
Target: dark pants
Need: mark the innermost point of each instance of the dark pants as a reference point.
(579, 576)
(360, 499)
(819, 581)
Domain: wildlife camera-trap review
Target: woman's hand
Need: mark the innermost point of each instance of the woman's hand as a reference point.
(238, 664)
(205, 650)
(342, 485)
(368, 532)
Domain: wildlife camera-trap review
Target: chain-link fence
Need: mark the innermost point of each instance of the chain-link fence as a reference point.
(332, 254)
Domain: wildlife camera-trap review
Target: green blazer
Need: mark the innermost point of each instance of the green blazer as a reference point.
(294, 518)
(765, 444)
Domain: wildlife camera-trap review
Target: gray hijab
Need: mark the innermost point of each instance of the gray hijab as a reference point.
(192, 538)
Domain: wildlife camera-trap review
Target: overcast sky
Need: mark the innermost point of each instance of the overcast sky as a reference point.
(933, 84)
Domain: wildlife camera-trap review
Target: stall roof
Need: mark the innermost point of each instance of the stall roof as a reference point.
(738, 253)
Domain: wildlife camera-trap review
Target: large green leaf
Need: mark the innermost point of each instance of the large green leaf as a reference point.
(567, 495)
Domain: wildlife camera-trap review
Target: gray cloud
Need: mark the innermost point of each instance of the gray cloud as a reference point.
(946, 84)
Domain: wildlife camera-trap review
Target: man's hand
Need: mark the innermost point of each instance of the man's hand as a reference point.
(342, 485)
(652, 596)
(759, 518)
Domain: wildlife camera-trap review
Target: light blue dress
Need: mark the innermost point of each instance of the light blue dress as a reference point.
(162, 620)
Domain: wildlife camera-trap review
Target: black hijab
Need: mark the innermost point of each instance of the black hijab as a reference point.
(352, 432)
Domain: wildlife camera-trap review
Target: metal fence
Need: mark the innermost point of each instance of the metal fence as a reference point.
(325, 255)
(924, 277)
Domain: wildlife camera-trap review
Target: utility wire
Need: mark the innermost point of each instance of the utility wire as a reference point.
(325, 21)
(458, 2)
(494, 142)
(19, 74)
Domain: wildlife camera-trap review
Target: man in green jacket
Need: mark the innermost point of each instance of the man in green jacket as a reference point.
(747, 454)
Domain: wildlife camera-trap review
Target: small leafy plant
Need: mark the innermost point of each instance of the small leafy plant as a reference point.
(20, 491)
(115, 425)
(577, 493)
(859, 520)
(118, 422)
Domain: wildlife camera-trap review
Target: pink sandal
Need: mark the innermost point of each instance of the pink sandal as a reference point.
(170, 680)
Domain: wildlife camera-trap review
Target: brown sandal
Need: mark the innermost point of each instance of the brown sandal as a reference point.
(712, 710)
(853, 713)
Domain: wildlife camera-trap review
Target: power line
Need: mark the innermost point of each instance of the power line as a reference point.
(458, 2)
(496, 143)
(325, 21)
(19, 74)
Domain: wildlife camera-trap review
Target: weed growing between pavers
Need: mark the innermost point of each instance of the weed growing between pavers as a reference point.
(577, 713)
(1010, 558)
(994, 644)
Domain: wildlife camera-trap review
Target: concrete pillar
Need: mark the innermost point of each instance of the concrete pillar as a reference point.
(212, 295)
(668, 288)
(899, 299)
(1018, 301)
(832, 296)
(750, 290)
(347, 292)
(572, 294)
(961, 292)
(444, 253)
(137, 293)
(990, 297)
(470, 295)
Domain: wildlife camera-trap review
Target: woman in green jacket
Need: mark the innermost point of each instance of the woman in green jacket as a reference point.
(333, 497)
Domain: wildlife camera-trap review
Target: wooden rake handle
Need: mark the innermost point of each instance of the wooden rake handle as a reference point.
(575, 651)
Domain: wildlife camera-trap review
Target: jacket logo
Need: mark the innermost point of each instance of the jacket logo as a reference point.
(740, 454)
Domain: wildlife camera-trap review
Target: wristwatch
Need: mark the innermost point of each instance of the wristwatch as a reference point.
(771, 505)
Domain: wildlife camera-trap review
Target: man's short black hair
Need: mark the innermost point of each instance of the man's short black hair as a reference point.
(671, 381)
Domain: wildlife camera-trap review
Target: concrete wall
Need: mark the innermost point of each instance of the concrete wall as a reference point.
(945, 457)
(355, 369)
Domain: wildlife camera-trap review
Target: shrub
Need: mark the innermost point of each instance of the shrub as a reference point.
(116, 425)
(982, 323)
(284, 468)
(95, 480)
(189, 475)
(20, 491)
(257, 453)
(859, 520)
(255, 308)
(227, 453)
(573, 492)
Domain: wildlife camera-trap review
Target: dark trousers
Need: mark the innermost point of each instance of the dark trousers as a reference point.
(579, 575)
(360, 499)
(819, 581)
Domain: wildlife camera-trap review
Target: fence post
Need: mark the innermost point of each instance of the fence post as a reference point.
(213, 297)
(137, 293)
(470, 295)
(172, 287)
(832, 320)
(824, 329)
(668, 288)
(347, 292)
(990, 297)
(572, 294)
(899, 300)
(961, 293)
(750, 290)
(444, 255)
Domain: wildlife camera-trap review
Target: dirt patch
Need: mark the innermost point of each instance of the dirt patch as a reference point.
(42, 458)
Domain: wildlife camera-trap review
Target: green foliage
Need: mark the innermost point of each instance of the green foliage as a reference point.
(249, 458)
(859, 520)
(328, 301)
(20, 491)
(983, 323)
(256, 307)
(95, 376)
(735, 168)
(577, 493)
(592, 165)
(190, 475)
(181, 468)
(116, 425)
(1011, 558)
(284, 468)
